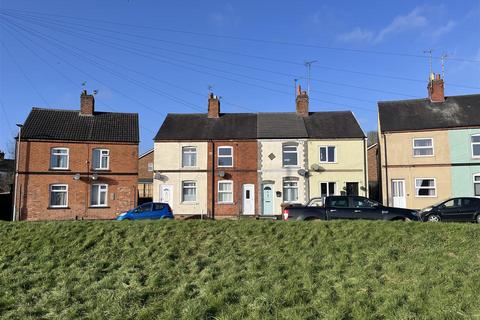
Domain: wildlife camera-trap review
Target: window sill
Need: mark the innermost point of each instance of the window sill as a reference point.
(99, 207)
(227, 203)
(59, 169)
(57, 208)
(292, 166)
(429, 156)
(101, 170)
(327, 162)
(189, 202)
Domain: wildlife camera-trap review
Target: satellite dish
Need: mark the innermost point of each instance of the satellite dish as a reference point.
(94, 176)
(159, 176)
(221, 174)
(76, 176)
(302, 172)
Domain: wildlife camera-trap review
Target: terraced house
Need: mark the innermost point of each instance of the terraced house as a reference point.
(76, 164)
(429, 148)
(251, 164)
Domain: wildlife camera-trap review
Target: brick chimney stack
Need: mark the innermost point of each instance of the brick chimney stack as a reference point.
(2, 155)
(436, 90)
(302, 102)
(87, 104)
(213, 106)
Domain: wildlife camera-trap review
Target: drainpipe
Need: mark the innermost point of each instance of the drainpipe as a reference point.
(213, 179)
(16, 217)
(365, 168)
(386, 168)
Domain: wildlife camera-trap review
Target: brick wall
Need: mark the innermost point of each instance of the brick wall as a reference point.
(143, 162)
(35, 178)
(244, 171)
(372, 163)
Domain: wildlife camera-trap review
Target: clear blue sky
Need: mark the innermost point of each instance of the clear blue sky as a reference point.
(156, 57)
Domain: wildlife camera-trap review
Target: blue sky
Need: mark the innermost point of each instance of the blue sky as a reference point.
(156, 57)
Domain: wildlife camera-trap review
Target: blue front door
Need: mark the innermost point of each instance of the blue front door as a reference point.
(267, 199)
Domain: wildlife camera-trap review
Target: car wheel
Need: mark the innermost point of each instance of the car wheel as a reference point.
(478, 218)
(433, 218)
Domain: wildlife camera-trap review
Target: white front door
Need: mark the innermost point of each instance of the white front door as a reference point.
(398, 194)
(248, 199)
(166, 194)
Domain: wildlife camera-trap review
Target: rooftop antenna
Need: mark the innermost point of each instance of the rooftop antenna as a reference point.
(84, 86)
(210, 88)
(308, 64)
(429, 51)
(95, 92)
(444, 58)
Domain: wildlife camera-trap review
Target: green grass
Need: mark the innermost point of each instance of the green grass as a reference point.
(239, 270)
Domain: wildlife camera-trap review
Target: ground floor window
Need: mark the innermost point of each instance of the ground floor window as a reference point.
(425, 187)
(476, 185)
(225, 191)
(145, 190)
(290, 190)
(189, 191)
(328, 189)
(99, 196)
(58, 195)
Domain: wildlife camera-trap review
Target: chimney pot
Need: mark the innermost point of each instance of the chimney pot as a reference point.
(87, 104)
(213, 106)
(302, 102)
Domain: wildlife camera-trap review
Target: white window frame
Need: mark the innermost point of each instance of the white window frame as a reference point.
(475, 182)
(417, 188)
(52, 153)
(230, 182)
(100, 185)
(334, 154)
(183, 152)
(100, 160)
(296, 153)
(50, 205)
(224, 156)
(335, 191)
(189, 187)
(423, 156)
(296, 187)
(474, 143)
(150, 167)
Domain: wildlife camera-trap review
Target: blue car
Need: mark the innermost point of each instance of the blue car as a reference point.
(149, 210)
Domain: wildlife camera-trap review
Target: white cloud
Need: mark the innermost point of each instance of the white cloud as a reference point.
(414, 20)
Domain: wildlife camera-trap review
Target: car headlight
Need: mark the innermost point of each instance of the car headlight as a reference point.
(122, 214)
(427, 209)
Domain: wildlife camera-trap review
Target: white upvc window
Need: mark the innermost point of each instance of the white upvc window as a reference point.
(328, 154)
(225, 156)
(290, 191)
(328, 189)
(476, 146)
(101, 159)
(189, 157)
(423, 147)
(150, 166)
(58, 196)
(189, 191)
(476, 185)
(99, 195)
(290, 155)
(59, 158)
(225, 191)
(425, 187)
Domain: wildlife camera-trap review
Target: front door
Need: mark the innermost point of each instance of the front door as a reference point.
(267, 203)
(248, 199)
(352, 188)
(166, 194)
(398, 194)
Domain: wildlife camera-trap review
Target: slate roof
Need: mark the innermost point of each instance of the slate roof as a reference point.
(276, 125)
(55, 124)
(422, 114)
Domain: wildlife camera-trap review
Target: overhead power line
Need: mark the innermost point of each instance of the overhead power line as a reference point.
(256, 40)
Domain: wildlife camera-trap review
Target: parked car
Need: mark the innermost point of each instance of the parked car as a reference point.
(149, 210)
(347, 207)
(454, 209)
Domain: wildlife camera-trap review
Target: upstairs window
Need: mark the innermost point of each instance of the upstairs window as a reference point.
(290, 155)
(101, 159)
(423, 147)
(328, 154)
(189, 157)
(59, 158)
(225, 156)
(476, 146)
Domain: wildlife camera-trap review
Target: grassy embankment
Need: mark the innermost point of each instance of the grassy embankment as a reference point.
(238, 270)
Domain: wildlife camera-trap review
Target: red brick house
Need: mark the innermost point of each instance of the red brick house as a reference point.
(145, 177)
(76, 164)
